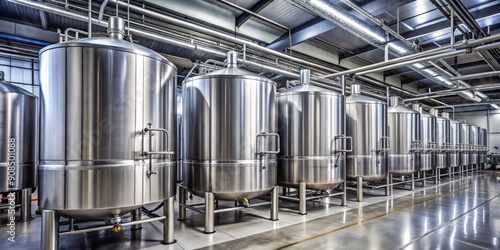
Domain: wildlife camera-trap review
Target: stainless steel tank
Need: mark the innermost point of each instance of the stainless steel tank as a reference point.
(428, 141)
(18, 150)
(465, 143)
(405, 138)
(455, 141)
(483, 139)
(312, 134)
(474, 144)
(367, 125)
(443, 140)
(101, 100)
(229, 131)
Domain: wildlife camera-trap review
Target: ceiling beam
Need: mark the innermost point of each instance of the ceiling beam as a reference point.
(256, 8)
(319, 26)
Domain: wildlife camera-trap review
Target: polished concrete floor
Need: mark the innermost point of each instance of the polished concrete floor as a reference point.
(455, 214)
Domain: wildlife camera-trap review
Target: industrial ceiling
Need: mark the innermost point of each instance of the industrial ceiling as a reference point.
(282, 36)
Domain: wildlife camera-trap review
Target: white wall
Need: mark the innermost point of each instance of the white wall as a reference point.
(488, 119)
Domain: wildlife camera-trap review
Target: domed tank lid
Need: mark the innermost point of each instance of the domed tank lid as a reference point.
(10, 88)
(305, 87)
(116, 33)
(232, 71)
(396, 106)
(417, 107)
(357, 97)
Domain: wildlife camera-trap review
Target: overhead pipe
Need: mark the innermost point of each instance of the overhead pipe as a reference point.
(427, 58)
(450, 92)
(489, 86)
(23, 39)
(474, 76)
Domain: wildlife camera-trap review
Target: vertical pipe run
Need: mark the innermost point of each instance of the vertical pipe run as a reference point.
(168, 224)
(302, 198)
(209, 213)
(50, 230)
(90, 19)
(25, 213)
(274, 204)
(452, 28)
(344, 183)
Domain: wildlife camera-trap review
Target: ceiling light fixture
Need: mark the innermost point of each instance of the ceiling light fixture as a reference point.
(321, 5)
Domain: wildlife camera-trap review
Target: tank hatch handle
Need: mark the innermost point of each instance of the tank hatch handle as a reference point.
(415, 147)
(264, 135)
(150, 153)
(384, 145)
(340, 151)
(260, 152)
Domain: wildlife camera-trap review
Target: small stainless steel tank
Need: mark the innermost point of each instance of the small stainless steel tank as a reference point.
(405, 138)
(455, 141)
(311, 129)
(474, 144)
(443, 140)
(428, 141)
(18, 150)
(465, 143)
(367, 125)
(230, 133)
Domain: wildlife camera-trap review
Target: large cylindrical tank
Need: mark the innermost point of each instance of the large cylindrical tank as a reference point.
(428, 141)
(455, 141)
(474, 144)
(483, 139)
(18, 147)
(101, 100)
(367, 125)
(311, 129)
(405, 138)
(179, 134)
(229, 131)
(465, 141)
(443, 140)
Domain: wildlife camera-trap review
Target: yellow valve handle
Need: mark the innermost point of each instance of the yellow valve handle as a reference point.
(117, 228)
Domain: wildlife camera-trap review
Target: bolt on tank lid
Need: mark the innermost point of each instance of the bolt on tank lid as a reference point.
(116, 28)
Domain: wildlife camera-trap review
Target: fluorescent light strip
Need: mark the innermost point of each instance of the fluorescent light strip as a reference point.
(495, 106)
(325, 7)
(430, 72)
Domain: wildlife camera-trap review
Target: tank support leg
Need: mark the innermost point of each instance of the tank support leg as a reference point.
(50, 230)
(182, 200)
(412, 181)
(209, 213)
(136, 215)
(168, 224)
(388, 183)
(437, 176)
(359, 186)
(302, 198)
(274, 204)
(391, 180)
(424, 178)
(25, 214)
